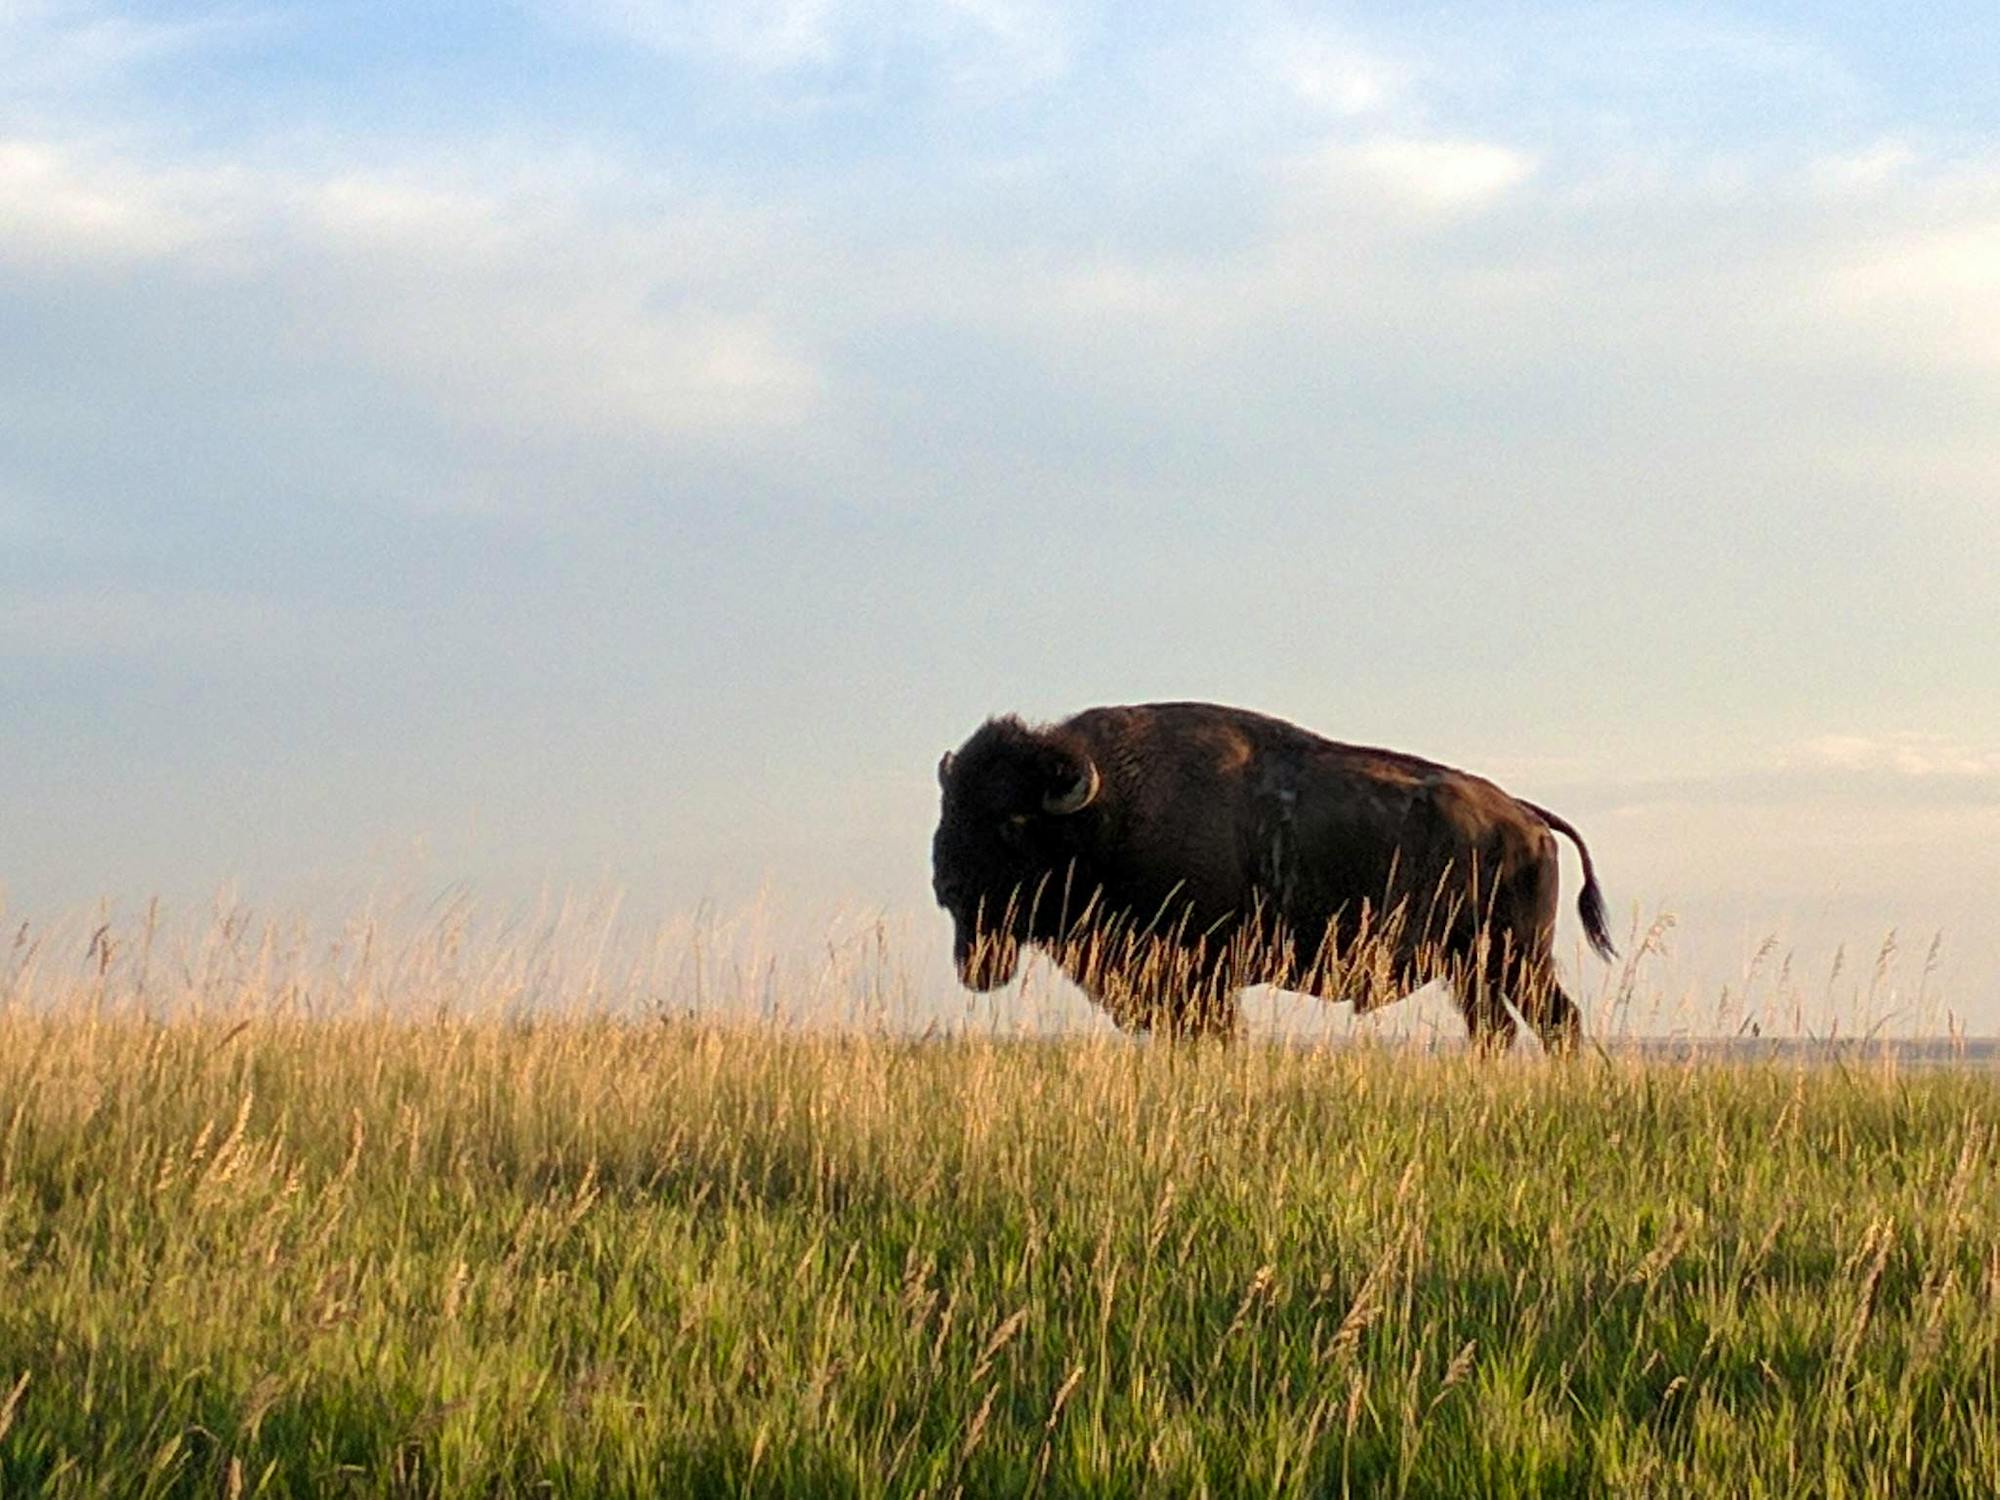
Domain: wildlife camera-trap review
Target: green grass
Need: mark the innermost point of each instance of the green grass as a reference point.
(389, 1256)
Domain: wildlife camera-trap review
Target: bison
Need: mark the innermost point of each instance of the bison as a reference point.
(1167, 854)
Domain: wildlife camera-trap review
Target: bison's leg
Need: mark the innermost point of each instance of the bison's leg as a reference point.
(1130, 1012)
(1194, 992)
(1530, 939)
(1487, 1020)
(1531, 985)
(1485, 990)
(1557, 1021)
(1204, 1014)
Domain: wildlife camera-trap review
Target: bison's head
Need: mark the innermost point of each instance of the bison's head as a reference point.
(1004, 860)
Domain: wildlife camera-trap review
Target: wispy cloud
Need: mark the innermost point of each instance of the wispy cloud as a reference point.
(1329, 72)
(1831, 771)
(63, 206)
(504, 303)
(1909, 754)
(514, 310)
(990, 45)
(77, 623)
(58, 46)
(1661, 44)
(1432, 176)
(1934, 293)
(1849, 174)
(766, 36)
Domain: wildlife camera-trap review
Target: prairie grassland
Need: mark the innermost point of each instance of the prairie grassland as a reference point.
(378, 1224)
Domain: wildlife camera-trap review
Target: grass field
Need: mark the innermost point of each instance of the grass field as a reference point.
(252, 1241)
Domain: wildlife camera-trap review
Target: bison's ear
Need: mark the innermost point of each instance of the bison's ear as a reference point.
(944, 768)
(1071, 782)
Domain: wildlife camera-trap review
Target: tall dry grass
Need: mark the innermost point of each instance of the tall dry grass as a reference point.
(492, 1208)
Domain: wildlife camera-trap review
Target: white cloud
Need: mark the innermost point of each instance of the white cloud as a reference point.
(765, 36)
(534, 315)
(1910, 754)
(125, 622)
(1859, 172)
(597, 363)
(503, 303)
(505, 298)
(998, 46)
(375, 213)
(52, 46)
(60, 206)
(986, 45)
(1430, 176)
(1128, 293)
(1935, 292)
(1333, 75)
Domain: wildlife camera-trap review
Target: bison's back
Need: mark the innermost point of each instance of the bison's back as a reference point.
(1223, 809)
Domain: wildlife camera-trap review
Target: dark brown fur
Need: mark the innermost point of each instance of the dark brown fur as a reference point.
(1217, 848)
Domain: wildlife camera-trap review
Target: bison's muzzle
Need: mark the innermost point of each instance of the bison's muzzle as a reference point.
(986, 960)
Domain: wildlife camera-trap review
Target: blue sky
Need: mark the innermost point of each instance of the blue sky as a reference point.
(613, 441)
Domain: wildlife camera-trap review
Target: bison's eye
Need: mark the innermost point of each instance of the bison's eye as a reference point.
(1012, 828)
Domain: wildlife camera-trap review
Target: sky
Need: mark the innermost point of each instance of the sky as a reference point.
(623, 442)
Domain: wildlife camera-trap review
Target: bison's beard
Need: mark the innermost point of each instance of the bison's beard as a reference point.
(986, 960)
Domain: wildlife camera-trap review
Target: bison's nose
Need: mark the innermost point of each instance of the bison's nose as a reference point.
(986, 961)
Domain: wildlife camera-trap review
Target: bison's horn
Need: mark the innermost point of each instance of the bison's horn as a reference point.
(944, 767)
(1077, 796)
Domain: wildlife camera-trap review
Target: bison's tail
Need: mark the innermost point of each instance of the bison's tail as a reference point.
(1589, 905)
